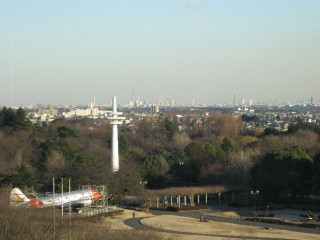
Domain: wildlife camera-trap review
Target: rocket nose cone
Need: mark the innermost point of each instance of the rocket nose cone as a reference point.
(35, 203)
(96, 196)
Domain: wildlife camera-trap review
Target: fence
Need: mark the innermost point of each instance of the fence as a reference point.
(96, 211)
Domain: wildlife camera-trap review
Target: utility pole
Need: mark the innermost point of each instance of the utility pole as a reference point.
(254, 193)
(70, 208)
(61, 207)
(54, 210)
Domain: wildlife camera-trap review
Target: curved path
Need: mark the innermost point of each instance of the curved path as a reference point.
(197, 214)
(136, 224)
(258, 224)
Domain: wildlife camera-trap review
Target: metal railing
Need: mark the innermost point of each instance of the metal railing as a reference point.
(96, 211)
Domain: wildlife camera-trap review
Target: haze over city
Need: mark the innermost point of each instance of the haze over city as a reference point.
(66, 52)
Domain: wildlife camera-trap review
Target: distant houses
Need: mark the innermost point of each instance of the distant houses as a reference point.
(278, 119)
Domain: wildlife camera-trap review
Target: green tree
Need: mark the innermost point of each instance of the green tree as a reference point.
(304, 126)
(271, 131)
(65, 131)
(155, 168)
(250, 118)
(17, 120)
(316, 174)
(21, 120)
(123, 143)
(7, 117)
(283, 173)
(199, 156)
(58, 144)
(171, 128)
(22, 178)
(213, 153)
(84, 168)
(194, 150)
(227, 145)
(195, 153)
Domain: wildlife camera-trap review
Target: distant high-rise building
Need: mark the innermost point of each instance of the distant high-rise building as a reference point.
(250, 102)
(160, 101)
(155, 109)
(49, 111)
(312, 101)
(243, 101)
(131, 103)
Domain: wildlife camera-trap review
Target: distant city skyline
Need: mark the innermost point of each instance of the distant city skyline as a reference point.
(65, 52)
(172, 102)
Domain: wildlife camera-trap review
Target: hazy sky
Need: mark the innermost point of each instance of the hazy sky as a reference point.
(67, 51)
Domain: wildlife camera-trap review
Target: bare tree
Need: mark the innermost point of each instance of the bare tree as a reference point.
(55, 164)
(181, 140)
(240, 163)
(305, 139)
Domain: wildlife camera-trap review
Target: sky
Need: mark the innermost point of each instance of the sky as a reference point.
(68, 51)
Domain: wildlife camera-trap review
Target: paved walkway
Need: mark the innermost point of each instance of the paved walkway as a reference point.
(197, 214)
(136, 223)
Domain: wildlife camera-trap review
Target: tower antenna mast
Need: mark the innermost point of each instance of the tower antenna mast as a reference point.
(115, 120)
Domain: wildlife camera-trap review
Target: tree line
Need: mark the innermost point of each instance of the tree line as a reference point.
(14, 119)
(163, 151)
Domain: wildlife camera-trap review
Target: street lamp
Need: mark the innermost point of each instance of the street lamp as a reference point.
(254, 193)
(144, 183)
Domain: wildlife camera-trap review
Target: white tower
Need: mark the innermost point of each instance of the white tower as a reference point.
(115, 120)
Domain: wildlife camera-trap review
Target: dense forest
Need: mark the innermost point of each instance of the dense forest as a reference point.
(163, 151)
